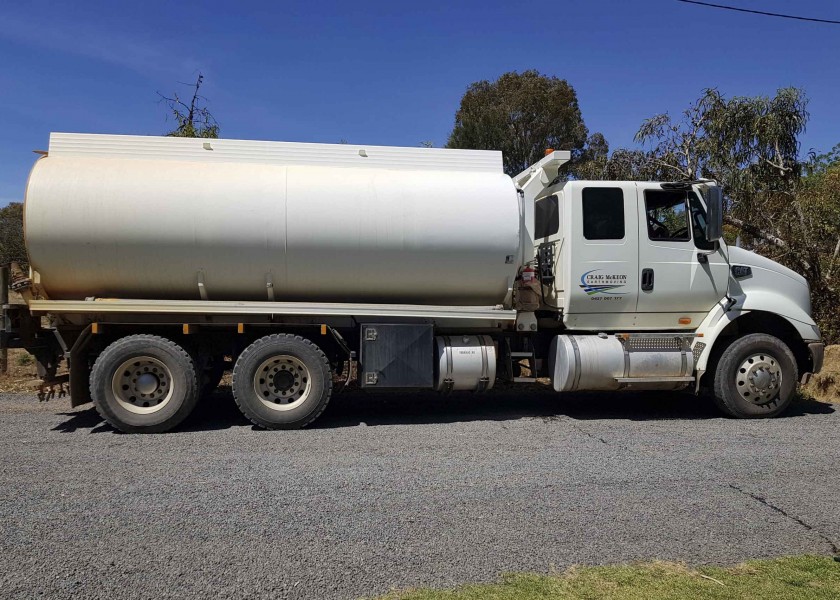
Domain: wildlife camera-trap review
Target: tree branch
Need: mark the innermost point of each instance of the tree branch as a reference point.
(768, 237)
(756, 232)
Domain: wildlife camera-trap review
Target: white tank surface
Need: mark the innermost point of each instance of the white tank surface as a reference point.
(604, 362)
(175, 218)
(465, 363)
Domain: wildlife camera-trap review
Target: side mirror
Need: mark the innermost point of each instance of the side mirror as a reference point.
(714, 213)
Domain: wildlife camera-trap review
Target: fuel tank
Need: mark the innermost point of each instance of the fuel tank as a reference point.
(175, 218)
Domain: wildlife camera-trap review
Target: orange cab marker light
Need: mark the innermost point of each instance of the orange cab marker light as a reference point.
(685, 320)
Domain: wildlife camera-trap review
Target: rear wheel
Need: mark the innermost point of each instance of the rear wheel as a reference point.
(282, 381)
(144, 384)
(755, 377)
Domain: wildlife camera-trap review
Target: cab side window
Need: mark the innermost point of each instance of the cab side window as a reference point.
(667, 215)
(603, 213)
(546, 217)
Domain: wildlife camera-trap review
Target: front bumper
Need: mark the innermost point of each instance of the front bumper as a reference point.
(817, 352)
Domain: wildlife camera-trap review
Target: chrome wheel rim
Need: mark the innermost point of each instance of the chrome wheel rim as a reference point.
(142, 385)
(282, 382)
(759, 378)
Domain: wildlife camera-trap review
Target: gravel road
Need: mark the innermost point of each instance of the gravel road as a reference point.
(397, 491)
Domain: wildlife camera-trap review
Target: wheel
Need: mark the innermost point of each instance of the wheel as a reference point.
(282, 381)
(144, 384)
(755, 377)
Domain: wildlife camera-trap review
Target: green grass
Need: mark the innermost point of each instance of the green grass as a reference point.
(790, 578)
(24, 359)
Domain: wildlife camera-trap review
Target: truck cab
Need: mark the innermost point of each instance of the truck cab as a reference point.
(640, 257)
(644, 267)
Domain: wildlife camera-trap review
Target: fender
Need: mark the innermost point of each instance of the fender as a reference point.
(707, 333)
(786, 307)
(718, 319)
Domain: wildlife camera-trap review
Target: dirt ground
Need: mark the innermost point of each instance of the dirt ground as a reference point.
(22, 375)
(825, 387)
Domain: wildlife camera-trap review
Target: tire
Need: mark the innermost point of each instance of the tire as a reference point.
(755, 377)
(282, 381)
(144, 384)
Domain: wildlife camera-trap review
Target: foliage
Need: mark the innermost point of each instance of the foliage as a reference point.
(820, 163)
(792, 578)
(813, 235)
(11, 235)
(194, 119)
(622, 165)
(750, 143)
(520, 114)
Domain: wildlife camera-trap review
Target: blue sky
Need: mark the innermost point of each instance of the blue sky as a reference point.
(388, 72)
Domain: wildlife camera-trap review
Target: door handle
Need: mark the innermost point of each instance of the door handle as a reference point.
(647, 280)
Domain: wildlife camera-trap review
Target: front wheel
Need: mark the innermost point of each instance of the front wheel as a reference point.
(282, 381)
(755, 377)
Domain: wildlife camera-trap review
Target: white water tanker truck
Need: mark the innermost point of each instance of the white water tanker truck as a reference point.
(153, 259)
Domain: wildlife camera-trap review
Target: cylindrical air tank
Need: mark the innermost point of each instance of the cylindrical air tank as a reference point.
(130, 227)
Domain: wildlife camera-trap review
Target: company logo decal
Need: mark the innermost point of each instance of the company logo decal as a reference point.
(595, 283)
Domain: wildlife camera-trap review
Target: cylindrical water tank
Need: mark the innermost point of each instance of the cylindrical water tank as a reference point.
(143, 227)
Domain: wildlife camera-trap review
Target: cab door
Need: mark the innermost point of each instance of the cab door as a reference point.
(681, 275)
(602, 259)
